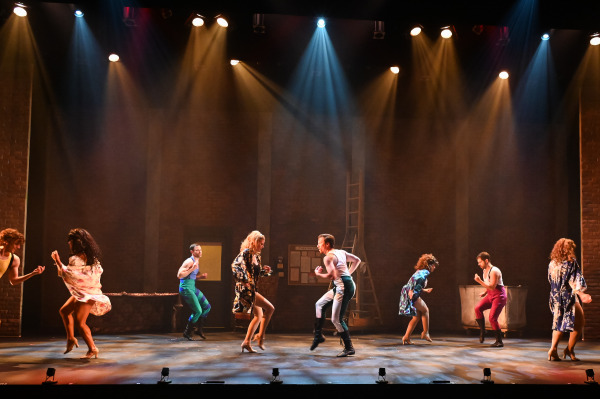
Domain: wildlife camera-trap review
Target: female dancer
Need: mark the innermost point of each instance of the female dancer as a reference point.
(247, 269)
(411, 303)
(567, 287)
(82, 278)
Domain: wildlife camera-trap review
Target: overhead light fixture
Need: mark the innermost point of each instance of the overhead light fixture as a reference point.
(164, 376)
(50, 377)
(276, 379)
(198, 20)
(321, 23)
(20, 10)
(487, 376)
(381, 379)
(545, 37)
(395, 70)
(595, 39)
(379, 31)
(78, 13)
(130, 16)
(113, 57)
(503, 75)
(234, 62)
(446, 32)
(416, 30)
(258, 23)
(222, 21)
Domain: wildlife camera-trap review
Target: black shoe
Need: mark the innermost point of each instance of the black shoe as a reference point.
(481, 323)
(348, 348)
(199, 326)
(498, 343)
(187, 333)
(318, 331)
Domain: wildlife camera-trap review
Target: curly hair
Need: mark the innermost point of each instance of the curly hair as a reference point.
(251, 241)
(426, 261)
(564, 250)
(83, 242)
(11, 236)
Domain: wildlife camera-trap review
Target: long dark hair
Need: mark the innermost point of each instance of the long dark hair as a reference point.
(83, 242)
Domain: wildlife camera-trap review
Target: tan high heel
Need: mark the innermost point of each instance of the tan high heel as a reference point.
(553, 355)
(571, 354)
(406, 341)
(426, 337)
(91, 353)
(248, 348)
(70, 344)
(259, 341)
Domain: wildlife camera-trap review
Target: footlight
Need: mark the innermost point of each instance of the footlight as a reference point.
(589, 377)
(50, 377)
(381, 379)
(276, 379)
(487, 376)
(164, 376)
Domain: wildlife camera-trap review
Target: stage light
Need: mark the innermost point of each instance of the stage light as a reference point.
(20, 10)
(222, 21)
(595, 39)
(321, 23)
(589, 377)
(129, 16)
(258, 23)
(381, 379)
(545, 37)
(50, 377)
(503, 75)
(113, 57)
(276, 379)
(379, 31)
(198, 20)
(78, 13)
(416, 31)
(164, 376)
(234, 62)
(395, 70)
(446, 32)
(487, 376)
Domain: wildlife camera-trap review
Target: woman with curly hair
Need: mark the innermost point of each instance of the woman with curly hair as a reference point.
(567, 287)
(247, 269)
(411, 303)
(82, 278)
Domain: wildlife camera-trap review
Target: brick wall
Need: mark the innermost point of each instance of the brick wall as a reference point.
(15, 107)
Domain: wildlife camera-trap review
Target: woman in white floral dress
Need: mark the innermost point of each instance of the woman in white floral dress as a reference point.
(82, 278)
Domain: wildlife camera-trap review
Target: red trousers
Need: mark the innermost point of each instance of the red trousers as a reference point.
(495, 300)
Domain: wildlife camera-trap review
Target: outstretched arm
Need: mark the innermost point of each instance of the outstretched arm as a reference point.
(13, 272)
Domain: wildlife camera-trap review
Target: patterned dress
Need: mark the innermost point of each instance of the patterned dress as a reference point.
(417, 282)
(564, 279)
(246, 275)
(83, 282)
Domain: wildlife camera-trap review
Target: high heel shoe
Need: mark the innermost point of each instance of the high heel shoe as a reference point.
(406, 341)
(426, 337)
(571, 354)
(553, 355)
(248, 348)
(91, 353)
(259, 341)
(70, 344)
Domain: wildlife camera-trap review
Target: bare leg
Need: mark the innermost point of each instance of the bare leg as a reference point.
(268, 310)
(409, 329)
(553, 352)
(66, 314)
(424, 311)
(82, 311)
(577, 330)
(252, 328)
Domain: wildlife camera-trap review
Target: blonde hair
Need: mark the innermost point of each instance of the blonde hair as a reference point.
(564, 250)
(251, 241)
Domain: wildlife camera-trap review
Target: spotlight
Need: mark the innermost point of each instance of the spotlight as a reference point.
(589, 375)
(276, 379)
(222, 21)
(129, 16)
(595, 39)
(446, 32)
(379, 32)
(258, 23)
(416, 31)
(395, 70)
(321, 23)
(545, 36)
(50, 377)
(487, 376)
(381, 379)
(234, 62)
(197, 20)
(164, 376)
(113, 57)
(20, 10)
(78, 13)
(503, 75)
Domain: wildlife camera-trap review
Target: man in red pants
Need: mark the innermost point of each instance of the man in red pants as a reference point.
(494, 298)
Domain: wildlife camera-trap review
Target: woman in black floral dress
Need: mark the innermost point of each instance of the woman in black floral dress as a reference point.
(247, 269)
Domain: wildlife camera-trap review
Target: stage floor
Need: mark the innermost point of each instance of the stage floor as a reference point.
(139, 359)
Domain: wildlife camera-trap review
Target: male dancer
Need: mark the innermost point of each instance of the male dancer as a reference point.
(188, 274)
(336, 269)
(494, 298)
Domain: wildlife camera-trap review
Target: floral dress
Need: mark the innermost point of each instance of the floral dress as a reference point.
(417, 282)
(565, 278)
(83, 282)
(246, 275)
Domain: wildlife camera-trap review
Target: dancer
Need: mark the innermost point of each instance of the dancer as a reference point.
(411, 303)
(494, 298)
(10, 241)
(567, 287)
(82, 278)
(247, 270)
(188, 274)
(336, 269)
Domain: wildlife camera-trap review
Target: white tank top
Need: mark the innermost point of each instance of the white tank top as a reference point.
(486, 278)
(341, 265)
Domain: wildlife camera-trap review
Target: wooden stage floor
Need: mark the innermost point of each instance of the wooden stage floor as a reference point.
(137, 361)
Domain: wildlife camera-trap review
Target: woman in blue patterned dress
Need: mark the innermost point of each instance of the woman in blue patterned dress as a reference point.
(247, 269)
(411, 303)
(567, 287)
